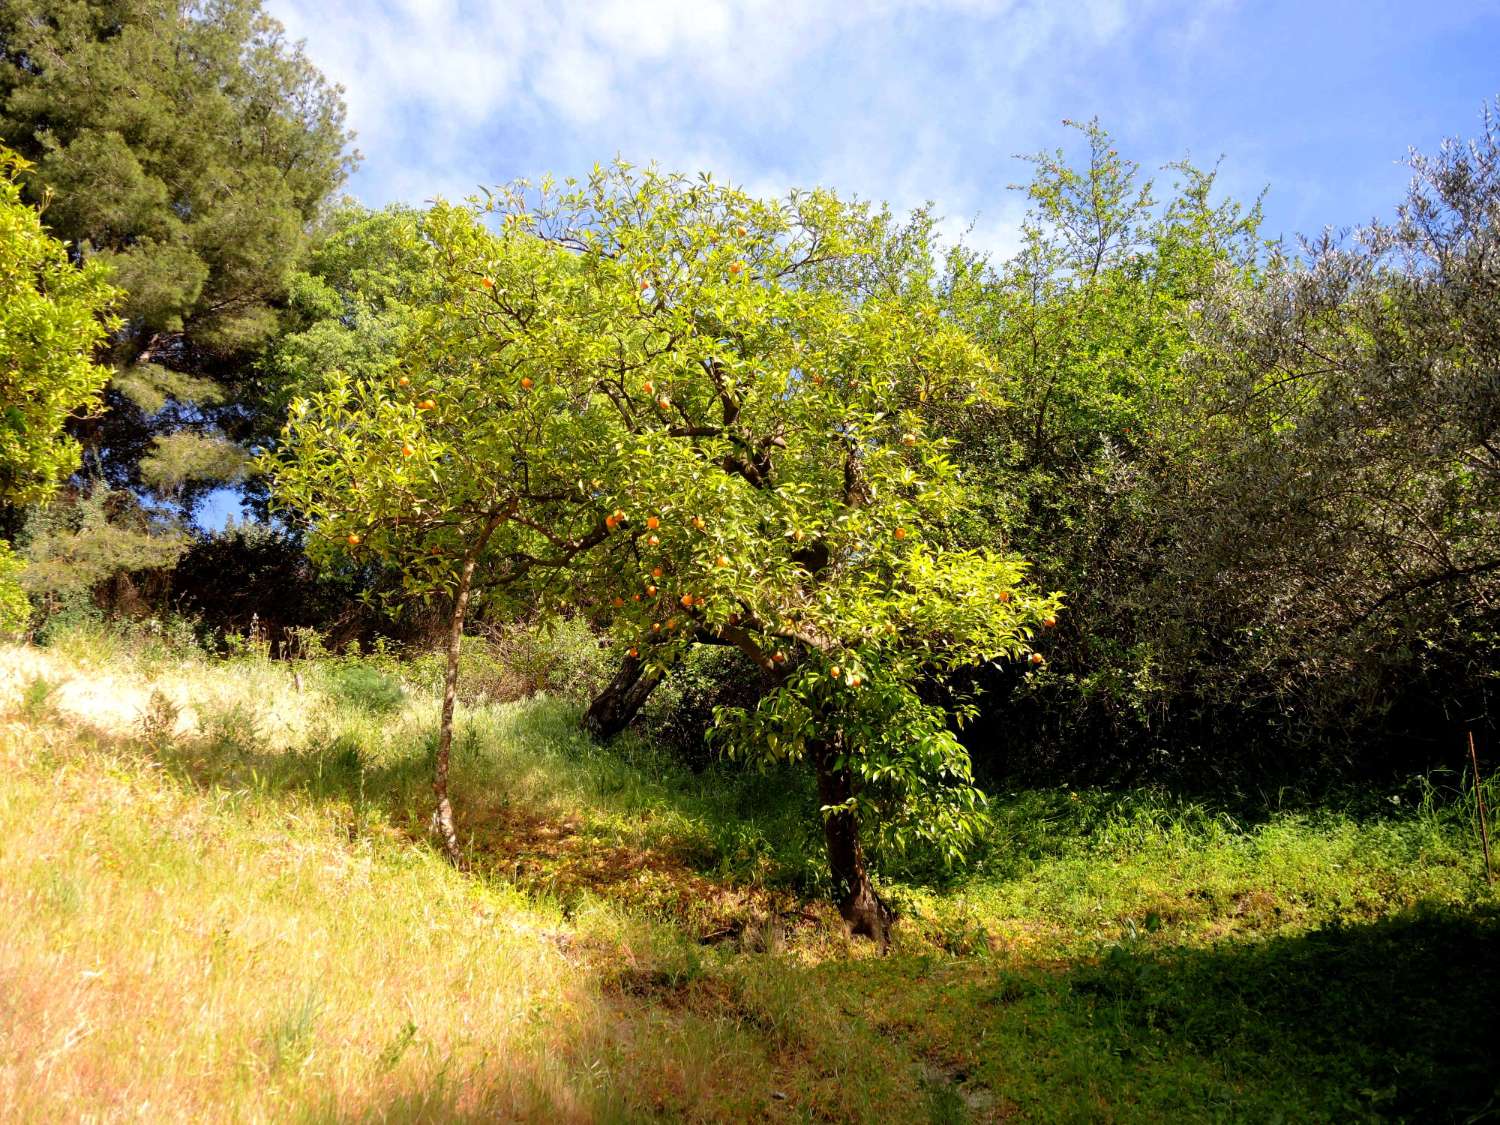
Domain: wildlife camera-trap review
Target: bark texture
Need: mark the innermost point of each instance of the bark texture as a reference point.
(621, 700)
(861, 907)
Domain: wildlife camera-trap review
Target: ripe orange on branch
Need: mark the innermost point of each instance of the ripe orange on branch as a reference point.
(353, 540)
(652, 522)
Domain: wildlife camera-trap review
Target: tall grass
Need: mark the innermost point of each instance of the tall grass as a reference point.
(221, 901)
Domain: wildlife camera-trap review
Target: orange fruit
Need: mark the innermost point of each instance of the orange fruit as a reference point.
(740, 231)
(488, 283)
(633, 652)
(618, 602)
(645, 285)
(671, 623)
(651, 590)
(407, 451)
(610, 522)
(722, 560)
(698, 523)
(855, 681)
(908, 440)
(404, 381)
(663, 403)
(652, 522)
(353, 540)
(426, 404)
(1004, 596)
(649, 387)
(834, 672)
(526, 382)
(656, 572)
(1037, 659)
(778, 657)
(901, 533)
(653, 540)
(619, 516)
(635, 597)
(656, 626)
(1049, 622)
(735, 267)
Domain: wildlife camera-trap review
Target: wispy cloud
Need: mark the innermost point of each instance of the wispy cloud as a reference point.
(902, 100)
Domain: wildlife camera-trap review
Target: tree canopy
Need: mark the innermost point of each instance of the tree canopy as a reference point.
(53, 313)
(187, 146)
(699, 418)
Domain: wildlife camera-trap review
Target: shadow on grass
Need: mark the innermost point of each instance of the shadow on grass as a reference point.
(1395, 1019)
(538, 804)
(1399, 1017)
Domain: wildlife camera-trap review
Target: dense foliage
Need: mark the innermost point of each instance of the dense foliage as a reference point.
(187, 146)
(1267, 478)
(52, 315)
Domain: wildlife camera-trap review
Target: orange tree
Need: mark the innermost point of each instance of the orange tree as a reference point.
(696, 417)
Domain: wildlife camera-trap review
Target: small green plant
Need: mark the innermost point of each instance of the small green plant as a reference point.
(159, 722)
(37, 704)
(291, 1037)
(365, 687)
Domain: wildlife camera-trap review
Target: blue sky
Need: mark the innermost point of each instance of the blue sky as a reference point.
(905, 100)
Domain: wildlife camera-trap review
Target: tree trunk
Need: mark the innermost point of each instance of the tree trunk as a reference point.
(858, 903)
(621, 700)
(444, 814)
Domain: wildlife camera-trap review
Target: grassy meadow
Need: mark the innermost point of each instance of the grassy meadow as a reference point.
(221, 901)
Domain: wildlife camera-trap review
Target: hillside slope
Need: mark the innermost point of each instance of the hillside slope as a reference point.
(220, 902)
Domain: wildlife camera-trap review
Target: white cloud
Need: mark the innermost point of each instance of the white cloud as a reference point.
(902, 100)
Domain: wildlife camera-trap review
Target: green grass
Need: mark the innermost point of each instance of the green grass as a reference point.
(222, 899)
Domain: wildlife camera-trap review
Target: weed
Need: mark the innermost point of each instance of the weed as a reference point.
(37, 704)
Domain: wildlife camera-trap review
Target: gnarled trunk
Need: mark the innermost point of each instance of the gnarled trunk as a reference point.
(622, 698)
(858, 903)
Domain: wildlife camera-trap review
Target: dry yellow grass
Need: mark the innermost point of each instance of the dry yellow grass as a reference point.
(176, 947)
